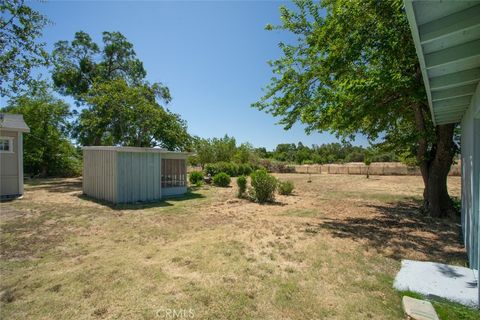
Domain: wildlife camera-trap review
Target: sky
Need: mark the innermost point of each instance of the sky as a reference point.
(212, 56)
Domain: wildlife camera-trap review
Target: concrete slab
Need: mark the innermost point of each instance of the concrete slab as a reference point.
(432, 279)
(419, 309)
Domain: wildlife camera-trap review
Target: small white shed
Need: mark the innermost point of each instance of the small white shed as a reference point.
(130, 174)
(12, 127)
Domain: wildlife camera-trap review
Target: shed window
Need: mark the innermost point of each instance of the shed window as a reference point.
(6, 144)
(174, 173)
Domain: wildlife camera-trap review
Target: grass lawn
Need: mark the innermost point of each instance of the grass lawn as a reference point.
(329, 251)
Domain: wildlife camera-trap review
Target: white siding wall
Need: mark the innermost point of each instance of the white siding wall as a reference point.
(471, 179)
(100, 174)
(9, 167)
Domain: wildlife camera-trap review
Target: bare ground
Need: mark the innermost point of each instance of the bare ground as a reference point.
(331, 250)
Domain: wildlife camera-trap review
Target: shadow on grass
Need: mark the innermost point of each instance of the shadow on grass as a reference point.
(165, 202)
(400, 228)
(55, 184)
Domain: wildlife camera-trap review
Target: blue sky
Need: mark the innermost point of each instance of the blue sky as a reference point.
(212, 55)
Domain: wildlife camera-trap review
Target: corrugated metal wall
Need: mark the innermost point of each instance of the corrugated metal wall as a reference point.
(471, 180)
(139, 176)
(100, 174)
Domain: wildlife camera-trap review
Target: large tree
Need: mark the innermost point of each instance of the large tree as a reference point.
(20, 50)
(353, 69)
(120, 106)
(119, 114)
(48, 150)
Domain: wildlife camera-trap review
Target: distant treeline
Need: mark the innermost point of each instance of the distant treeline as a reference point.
(226, 150)
(325, 153)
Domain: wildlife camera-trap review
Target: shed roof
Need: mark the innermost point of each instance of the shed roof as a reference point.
(14, 122)
(447, 40)
(136, 149)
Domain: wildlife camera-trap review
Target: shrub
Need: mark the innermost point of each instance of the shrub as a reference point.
(244, 169)
(264, 186)
(221, 179)
(210, 169)
(229, 168)
(242, 185)
(285, 187)
(276, 166)
(195, 177)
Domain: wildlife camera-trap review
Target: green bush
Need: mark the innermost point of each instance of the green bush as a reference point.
(264, 186)
(228, 167)
(276, 166)
(195, 177)
(210, 169)
(285, 187)
(221, 179)
(244, 169)
(242, 185)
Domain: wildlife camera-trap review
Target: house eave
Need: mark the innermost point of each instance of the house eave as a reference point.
(446, 36)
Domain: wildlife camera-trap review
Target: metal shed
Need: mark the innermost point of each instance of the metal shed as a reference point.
(129, 174)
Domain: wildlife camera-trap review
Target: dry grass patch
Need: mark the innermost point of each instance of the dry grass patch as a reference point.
(329, 251)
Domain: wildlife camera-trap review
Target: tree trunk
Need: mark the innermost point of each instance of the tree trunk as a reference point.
(437, 201)
(435, 162)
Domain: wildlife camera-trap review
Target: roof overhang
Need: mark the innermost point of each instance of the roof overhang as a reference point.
(447, 40)
(13, 122)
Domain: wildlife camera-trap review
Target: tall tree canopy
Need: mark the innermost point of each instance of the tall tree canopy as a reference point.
(119, 114)
(121, 107)
(48, 150)
(215, 150)
(353, 69)
(20, 50)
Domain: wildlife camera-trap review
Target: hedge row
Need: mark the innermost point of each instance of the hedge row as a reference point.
(230, 168)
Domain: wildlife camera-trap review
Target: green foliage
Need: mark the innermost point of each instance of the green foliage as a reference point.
(121, 107)
(119, 114)
(285, 187)
(47, 148)
(80, 64)
(327, 153)
(204, 152)
(351, 70)
(231, 168)
(195, 177)
(221, 179)
(215, 150)
(20, 52)
(447, 309)
(242, 186)
(244, 169)
(367, 161)
(264, 186)
(245, 153)
(276, 166)
(457, 204)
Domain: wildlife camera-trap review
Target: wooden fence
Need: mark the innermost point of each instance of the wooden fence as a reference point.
(376, 168)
